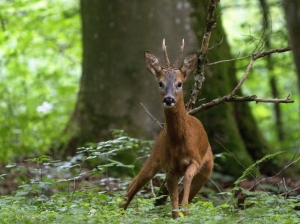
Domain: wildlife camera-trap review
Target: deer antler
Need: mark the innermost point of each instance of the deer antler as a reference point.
(179, 55)
(164, 48)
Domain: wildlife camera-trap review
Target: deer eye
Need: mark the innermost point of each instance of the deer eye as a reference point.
(160, 84)
(179, 85)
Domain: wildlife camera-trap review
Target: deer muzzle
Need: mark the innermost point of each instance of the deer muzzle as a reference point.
(169, 102)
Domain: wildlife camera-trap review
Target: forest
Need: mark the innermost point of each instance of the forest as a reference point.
(79, 111)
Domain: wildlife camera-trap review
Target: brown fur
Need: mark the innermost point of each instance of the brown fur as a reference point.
(182, 147)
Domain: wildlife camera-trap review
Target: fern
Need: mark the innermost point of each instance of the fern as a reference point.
(255, 168)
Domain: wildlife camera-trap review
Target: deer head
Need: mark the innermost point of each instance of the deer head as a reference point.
(171, 78)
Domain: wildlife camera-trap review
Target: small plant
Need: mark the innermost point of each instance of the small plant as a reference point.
(75, 191)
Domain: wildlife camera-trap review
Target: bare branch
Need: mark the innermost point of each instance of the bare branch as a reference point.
(231, 96)
(199, 77)
(286, 193)
(247, 56)
(217, 44)
(160, 124)
(224, 99)
(258, 100)
(152, 188)
(263, 54)
(286, 190)
(242, 80)
(228, 60)
(255, 57)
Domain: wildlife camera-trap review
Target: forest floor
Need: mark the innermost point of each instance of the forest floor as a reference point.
(39, 191)
(31, 172)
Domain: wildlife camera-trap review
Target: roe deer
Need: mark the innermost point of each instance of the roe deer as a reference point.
(182, 147)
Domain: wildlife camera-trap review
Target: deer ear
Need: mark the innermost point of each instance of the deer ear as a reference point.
(189, 64)
(152, 63)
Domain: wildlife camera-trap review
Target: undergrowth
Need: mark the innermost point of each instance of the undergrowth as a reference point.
(86, 189)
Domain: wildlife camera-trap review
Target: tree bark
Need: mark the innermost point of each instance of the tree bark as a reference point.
(292, 16)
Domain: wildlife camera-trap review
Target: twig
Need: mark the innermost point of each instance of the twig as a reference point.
(217, 44)
(160, 124)
(223, 99)
(257, 100)
(263, 54)
(247, 56)
(199, 77)
(295, 189)
(284, 185)
(152, 188)
(242, 80)
(277, 174)
(231, 96)
(216, 186)
(254, 57)
(285, 167)
(258, 183)
(229, 60)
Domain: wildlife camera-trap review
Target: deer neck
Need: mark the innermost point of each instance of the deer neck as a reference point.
(176, 120)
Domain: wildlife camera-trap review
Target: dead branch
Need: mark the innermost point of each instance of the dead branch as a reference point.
(288, 48)
(224, 99)
(255, 57)
(160, 124)
(218, 188)
(199, 77)
(229, 60)
(263, 54)
(286, 193)
(257, 100)
(152, 188)
(217, 44)
(231, 96)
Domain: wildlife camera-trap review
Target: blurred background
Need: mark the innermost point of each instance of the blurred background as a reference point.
(71, 71)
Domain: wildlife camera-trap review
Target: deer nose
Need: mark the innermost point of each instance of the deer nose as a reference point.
(169, 101)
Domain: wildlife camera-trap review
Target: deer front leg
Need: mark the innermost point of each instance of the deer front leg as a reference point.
(172, 183)
(190, 172)
(148, 171)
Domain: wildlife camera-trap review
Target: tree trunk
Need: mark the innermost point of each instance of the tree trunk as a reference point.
(292, 16)
(272, 79)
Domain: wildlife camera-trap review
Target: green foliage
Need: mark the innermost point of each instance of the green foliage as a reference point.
(254, 168)
(68, 192)
(40, 54)
(246, 35)
(119, 153)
